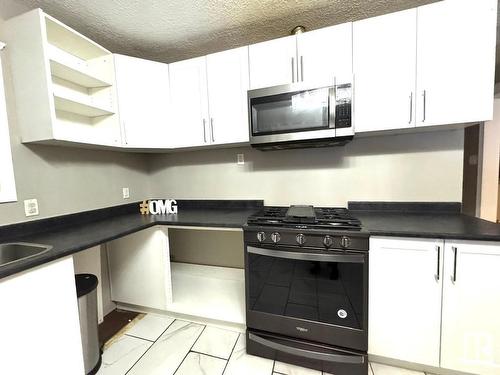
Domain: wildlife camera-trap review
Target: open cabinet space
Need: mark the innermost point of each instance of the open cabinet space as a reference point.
(69, 94)
(208, 279)
(190, 271)
(208, 291)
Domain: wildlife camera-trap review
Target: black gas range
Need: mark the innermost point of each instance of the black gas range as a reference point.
(306, 274)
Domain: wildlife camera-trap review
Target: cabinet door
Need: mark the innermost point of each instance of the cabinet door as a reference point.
(384, 71)
(405, 299)
(455, 61)
(39, 321)
(143, 101)
(227, 74)
(471, 307)
(325, 53)
(273, 63)
(7, 183)
(189, 103)
(139, 269)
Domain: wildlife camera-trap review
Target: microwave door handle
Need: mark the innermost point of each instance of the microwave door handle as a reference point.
(327, 357)
(332, 100)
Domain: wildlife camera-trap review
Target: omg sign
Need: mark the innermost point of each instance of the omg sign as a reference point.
(158, 207)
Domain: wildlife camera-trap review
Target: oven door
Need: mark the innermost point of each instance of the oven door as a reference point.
(315, 295)
(292, 112)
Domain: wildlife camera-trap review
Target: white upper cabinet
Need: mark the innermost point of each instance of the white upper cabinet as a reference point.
(228, 81)
(324, 54)
(189, 121)
(384, 53)
(7, 183)
(405, 299)
(315, 56)
(471, 307)
(456, 61)
(273, 63)
(143, 101)
(64, 83)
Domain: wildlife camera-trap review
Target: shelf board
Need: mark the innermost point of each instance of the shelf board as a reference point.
(71, 68)
(71, 40)
(71, 105)
(75, 75)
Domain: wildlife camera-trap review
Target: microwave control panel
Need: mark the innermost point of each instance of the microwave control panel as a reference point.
(343, 104)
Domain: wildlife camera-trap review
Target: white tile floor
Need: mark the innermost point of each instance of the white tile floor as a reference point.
(158, 344)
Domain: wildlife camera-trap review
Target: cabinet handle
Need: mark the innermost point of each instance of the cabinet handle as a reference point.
(293, 69)
(454, 276)
(424, 94)
(411, 107)
(438, 249)
(204, 132)
(302, 68)
(124, 126)
(212, 129)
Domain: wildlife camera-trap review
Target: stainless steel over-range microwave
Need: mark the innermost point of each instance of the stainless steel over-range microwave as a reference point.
(301, 115)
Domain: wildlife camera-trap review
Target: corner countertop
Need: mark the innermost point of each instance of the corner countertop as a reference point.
(70, 234)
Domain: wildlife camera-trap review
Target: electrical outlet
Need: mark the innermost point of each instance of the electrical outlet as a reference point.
(31, 207)
(241, 159)
(126, 193)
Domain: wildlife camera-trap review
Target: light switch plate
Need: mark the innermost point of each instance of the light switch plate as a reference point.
(241, 159)
(31, 207)
(126, 193)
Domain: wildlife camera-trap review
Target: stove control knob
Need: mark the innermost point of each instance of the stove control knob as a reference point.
(261, 236)
(275, 237)
(301, 239)
(345, 242)
(328, 241)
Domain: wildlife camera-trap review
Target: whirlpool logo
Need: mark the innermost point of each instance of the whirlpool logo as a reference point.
(301, 329)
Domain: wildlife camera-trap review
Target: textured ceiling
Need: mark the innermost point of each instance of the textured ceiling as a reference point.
(177, 29)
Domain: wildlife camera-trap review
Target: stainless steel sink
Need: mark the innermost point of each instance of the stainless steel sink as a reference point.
(16, 251)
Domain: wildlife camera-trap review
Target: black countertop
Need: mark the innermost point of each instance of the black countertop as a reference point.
(422, 219)
(72, 233)
(431, 225)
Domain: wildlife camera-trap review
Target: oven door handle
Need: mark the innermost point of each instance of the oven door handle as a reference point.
(327, 357)
(337, 258)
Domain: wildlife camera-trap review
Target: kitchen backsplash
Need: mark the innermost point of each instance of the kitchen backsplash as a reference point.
(409, 167)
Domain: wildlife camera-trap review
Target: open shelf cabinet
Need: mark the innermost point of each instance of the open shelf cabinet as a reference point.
(64, 83)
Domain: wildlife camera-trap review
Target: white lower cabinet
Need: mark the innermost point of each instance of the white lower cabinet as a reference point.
(470, 339)
(405, 299)
(139, 269)
(436, 303)
(39, 323)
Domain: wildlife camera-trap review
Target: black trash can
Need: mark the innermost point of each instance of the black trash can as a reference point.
(86, 290)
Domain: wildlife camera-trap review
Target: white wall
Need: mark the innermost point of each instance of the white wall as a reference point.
(490, 166)
(410, 167)
(65, 180)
